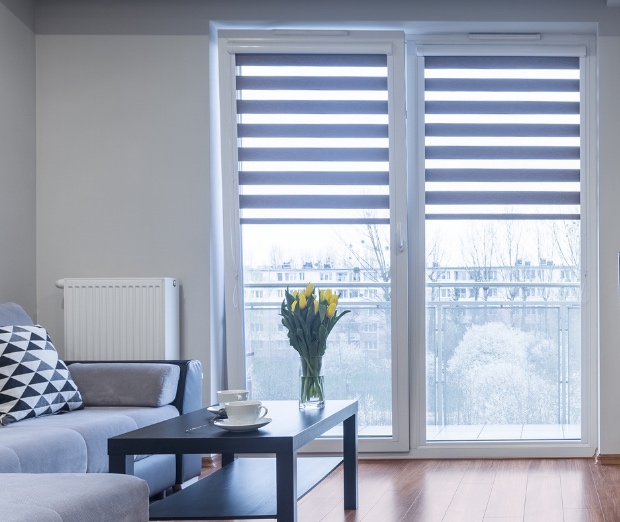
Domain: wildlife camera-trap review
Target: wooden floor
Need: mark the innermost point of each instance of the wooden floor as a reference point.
(545, 490)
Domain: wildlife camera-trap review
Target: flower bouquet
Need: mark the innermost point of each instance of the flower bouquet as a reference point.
(309, 320)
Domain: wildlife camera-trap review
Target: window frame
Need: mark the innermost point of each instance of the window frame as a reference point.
(392, 44)
(463, 44)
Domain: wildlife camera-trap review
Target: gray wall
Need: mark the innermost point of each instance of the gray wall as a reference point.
(17, 155)
(123, 179)
(123, 139)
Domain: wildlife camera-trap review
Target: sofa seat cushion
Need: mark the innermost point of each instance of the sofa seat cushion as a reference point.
(141, 416)
(24, 513)
(9, 461)
(76, 497)
(96, 425)
(41, 449)
(144, 416)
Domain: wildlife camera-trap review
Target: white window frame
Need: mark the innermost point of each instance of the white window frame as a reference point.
(585, 47)
(391, 43)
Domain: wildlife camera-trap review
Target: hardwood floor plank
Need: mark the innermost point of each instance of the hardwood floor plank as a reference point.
(507, 497)
(481, 471)
(543, 498)
(606, 480)
(578, 489)
(439, 487)
(469, 503)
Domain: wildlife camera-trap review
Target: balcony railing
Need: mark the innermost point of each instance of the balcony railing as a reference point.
(549, 322)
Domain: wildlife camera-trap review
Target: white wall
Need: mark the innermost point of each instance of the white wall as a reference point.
(122, 178)
(122, 130)
(609, 234)
(17, 156)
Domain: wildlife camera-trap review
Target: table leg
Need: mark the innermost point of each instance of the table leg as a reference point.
(227, 458)
(349, 442)
(122, 464)
(286, 486)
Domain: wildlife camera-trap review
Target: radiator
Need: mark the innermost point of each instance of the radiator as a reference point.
(121, 319)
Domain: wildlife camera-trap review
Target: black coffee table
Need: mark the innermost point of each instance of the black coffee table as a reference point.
(246, 487)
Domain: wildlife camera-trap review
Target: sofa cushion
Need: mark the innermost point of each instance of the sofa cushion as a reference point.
(95, 426)
(21, 512)
(33, 380)
(9, 461)
(77, 497)
(13, 314)
(126, 384)
(42, 449)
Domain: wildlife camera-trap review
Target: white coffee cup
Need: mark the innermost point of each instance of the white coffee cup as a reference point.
(225, 396)
(245, 412)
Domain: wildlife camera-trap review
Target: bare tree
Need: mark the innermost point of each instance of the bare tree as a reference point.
(478, 248)
(371, 254)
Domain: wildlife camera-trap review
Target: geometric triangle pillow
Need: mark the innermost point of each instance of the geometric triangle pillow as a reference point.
(33, 380)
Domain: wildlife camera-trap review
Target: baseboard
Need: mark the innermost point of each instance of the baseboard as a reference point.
(609, 459)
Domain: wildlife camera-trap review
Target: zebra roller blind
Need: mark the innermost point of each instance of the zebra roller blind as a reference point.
(502, 137)
(312, 135)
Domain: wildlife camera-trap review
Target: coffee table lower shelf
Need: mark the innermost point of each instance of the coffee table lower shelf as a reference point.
(246, 488)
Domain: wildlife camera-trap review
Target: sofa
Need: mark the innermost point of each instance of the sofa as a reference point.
(57, 448)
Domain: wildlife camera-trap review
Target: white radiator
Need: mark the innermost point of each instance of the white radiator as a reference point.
(121, 319)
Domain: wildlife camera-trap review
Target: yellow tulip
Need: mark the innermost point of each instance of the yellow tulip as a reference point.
(328, 294)
(316, 307)
(321, 295)
(334, 299)
(303, 302)
(331, 310)
(309, 289)
(293, 306)
(295, 293)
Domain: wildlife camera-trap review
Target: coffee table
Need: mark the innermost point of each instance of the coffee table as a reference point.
(246, 487)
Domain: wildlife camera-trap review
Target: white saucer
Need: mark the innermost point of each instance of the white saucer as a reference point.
(217, 410)
(227, 425)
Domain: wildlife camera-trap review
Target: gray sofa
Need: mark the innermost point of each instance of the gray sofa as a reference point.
(63, 457)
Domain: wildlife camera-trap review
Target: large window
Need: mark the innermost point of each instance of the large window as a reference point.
(314, 141)
(503, 158)
(459, 230)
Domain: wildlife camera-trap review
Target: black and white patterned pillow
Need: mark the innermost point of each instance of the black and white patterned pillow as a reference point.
(33, 380)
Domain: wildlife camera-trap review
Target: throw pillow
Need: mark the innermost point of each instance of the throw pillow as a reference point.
(33, 380)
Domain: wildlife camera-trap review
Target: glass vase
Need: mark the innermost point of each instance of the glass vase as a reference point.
(311, 383)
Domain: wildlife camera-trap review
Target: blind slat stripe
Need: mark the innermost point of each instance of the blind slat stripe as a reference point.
(501, 130)
(325, 221)
(503, 153)
(313, 154)
(511, 217)
(501, 62)
(501, 198)
(311, 107)
(499, 85)
(500, 107)
(313, 202)
(314, 60)
(312, 83)
(313, 178)
(502, 175)
(311, 131)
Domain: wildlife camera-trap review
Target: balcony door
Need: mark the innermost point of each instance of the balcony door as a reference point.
(505, 212)
(314, 138)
